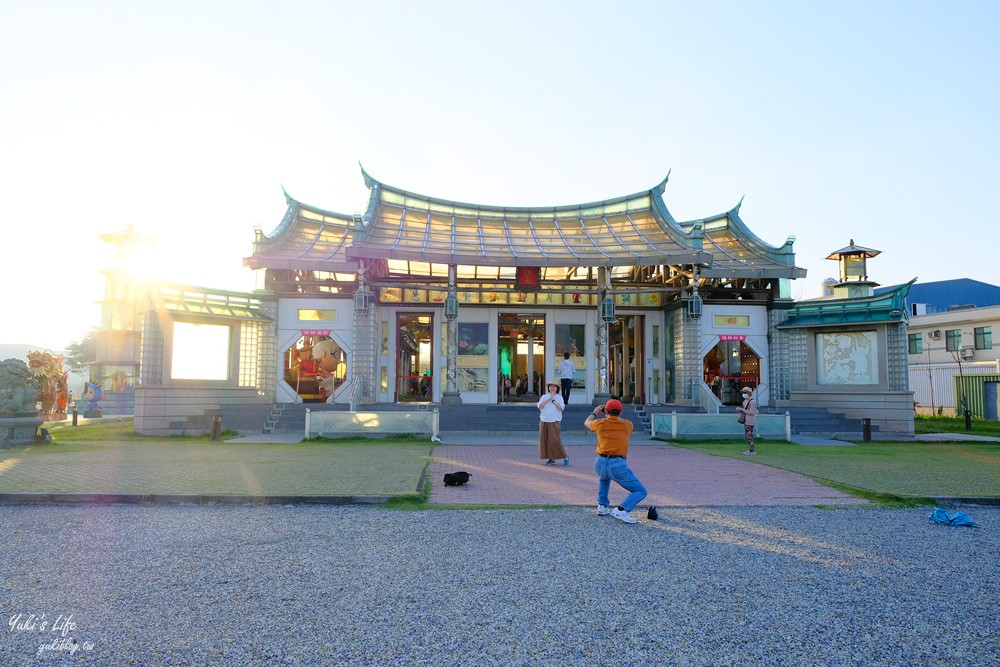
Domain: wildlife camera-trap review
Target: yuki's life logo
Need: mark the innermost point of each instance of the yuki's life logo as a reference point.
(58, 632)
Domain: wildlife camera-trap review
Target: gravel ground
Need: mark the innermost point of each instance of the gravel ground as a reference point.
(308, 585)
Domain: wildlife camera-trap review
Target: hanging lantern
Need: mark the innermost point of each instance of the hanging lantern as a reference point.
(362, 300)
(451, 307)
(607, 310)
(694, 307)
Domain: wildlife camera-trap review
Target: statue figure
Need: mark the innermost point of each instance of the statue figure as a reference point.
(48, 372)
(18, 390)
(325, 352)
(93, 392)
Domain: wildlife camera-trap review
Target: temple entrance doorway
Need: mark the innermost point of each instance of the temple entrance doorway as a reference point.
(730, 366)
(315, 366)
(414, 361)
(627, 360)
(520, 356)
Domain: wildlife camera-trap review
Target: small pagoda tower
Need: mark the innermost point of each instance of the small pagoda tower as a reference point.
(117, 359)
(854, 281)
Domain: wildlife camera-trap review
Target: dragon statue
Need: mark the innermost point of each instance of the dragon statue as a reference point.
(47, 370)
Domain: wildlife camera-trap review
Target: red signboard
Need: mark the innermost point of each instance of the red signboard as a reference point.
(528, 278)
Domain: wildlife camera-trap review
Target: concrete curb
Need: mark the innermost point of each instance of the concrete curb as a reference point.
(188, 498)
(968, 500)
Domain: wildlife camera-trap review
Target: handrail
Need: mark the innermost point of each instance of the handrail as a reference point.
(356, 394)
(704, 397)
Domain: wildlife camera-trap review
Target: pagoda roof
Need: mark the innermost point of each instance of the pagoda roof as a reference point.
(307, 238)
(853, 249)
(633, 230)
(889, 306)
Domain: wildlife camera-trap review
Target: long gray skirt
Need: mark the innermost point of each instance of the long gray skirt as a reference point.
(550, 441)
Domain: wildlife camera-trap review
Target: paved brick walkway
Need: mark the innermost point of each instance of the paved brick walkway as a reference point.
(675, 477)
(502, 474)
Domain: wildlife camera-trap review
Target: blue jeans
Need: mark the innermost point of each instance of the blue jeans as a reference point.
(618, 470)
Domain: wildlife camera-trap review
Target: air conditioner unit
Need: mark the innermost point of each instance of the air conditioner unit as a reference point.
(934, 335)
(968, 352)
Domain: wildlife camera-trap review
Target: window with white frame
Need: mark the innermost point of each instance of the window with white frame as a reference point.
(984, 338)
(953, 340)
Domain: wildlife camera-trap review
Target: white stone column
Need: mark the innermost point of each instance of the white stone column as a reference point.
(602, 394)
(451, 395)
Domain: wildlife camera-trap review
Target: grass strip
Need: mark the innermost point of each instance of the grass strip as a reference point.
(904, 470)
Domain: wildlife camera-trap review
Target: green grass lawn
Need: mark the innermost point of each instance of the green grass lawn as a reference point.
(926, 424)
(108, 457)
(103, 430)
(905, 469)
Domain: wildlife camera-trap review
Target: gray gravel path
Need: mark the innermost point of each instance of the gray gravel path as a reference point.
(306, 585)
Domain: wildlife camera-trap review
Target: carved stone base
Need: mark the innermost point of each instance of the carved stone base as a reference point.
(451, 398)
(18, 430)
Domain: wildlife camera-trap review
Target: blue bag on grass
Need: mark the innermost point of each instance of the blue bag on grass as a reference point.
(942, 516)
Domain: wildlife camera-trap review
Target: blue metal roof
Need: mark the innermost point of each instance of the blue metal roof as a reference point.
(939, 296)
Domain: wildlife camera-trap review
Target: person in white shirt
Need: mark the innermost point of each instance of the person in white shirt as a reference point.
(567, 372)
(550, 445)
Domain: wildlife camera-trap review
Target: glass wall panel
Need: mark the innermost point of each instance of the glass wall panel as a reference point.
(570, 338)
(200, 352)
(521, 354)
(473, 357)
(414, 374)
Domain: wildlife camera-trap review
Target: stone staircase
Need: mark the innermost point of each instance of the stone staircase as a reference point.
(822, 422)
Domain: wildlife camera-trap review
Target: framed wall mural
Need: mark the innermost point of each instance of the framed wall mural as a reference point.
(849, 358)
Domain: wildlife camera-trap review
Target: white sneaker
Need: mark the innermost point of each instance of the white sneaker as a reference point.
(749, 453)
(603, 510)
(622, 515)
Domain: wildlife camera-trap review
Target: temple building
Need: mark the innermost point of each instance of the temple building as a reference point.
(427, 299)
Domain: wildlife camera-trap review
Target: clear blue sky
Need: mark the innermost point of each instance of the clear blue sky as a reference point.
(875, 121)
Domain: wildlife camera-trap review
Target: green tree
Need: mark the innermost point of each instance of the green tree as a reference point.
(81, 353)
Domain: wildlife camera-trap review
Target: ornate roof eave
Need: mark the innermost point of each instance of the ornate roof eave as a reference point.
(657, 239)
(373, 184)
(888, 307)
(753, 258)
(486, 259)
(297, 264)
(751, 272)
(206, 302)
(266, 247)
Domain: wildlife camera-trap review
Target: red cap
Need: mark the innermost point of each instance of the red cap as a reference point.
(613, 404)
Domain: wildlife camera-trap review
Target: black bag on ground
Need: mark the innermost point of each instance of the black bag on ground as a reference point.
(652, 514)
(456, 478)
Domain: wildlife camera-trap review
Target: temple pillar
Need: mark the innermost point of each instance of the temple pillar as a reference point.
(688, 365)
(451, 395)
(363, 364)
(601, 395)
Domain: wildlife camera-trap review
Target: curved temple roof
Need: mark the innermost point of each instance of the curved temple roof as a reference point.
(634, 230)
(889, 306)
